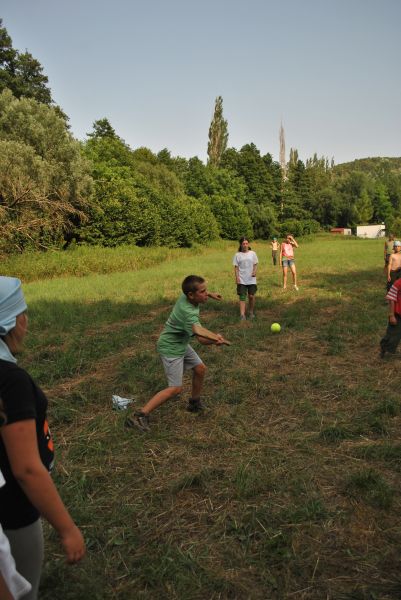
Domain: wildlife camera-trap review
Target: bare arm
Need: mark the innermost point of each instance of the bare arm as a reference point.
(293, 242)
(281, 253)
(22, 450)
(391, 313)
(236, 272)
(390, 262)
(255, 268)
(207, 337)
(214, 295)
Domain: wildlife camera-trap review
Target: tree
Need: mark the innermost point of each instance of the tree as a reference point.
(44, 180)
(218, 134)
(102, 129)
(21, 72)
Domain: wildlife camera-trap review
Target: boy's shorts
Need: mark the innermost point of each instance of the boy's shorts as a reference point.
(174, 367)
(243, 290)
(287, 262)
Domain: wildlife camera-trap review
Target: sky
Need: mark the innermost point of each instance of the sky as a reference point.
(329, 70)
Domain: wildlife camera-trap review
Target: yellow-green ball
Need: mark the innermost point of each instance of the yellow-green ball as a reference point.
(275, 328)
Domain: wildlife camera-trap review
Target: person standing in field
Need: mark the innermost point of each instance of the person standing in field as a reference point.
(287, 259)
(275, 248)
(176, 353)
(26, 452)
(390, 341)
(245, 264)
(388, 249)
(394, 265)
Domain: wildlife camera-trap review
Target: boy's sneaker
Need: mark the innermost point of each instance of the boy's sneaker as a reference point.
(195, 405)
(296, 288)
(138, 421)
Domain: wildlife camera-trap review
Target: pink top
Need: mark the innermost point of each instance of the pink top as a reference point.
(287, 250)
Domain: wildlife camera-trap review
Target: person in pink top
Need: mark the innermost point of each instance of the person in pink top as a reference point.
(287, 259)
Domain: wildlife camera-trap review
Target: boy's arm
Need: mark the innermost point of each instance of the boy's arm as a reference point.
(255, 268)
(207, 337)
(390, 262)
(391, 312)
(236, 271)
(214, 295)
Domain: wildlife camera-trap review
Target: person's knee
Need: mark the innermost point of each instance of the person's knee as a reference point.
(200, 370)
(175, 390)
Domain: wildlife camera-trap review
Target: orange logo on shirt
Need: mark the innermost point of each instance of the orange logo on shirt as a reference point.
(48, 436)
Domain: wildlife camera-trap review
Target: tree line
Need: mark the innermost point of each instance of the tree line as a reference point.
(56, 190)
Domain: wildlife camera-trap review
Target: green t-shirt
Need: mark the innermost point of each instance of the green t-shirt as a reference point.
(174, 338)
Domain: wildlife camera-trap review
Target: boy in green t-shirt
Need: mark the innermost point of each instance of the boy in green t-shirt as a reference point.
(176, 353)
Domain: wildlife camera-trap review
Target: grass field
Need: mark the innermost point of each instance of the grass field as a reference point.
(289, 485)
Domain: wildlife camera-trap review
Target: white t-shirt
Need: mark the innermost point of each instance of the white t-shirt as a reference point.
(245, 261)
(17, 584)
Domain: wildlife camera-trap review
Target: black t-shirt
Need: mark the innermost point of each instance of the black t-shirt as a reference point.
(22, 399)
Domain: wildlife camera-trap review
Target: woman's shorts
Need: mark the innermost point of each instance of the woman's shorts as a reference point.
(243, 290)
(174, 366)
(287, 262)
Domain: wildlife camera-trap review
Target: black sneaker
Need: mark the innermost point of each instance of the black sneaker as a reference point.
(195, 405)
(138, 421)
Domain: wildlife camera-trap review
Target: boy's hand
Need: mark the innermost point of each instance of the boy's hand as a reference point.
(215, 296)
(220, 340)
(392, 320)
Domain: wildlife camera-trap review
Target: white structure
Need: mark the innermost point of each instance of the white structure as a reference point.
(371, 231)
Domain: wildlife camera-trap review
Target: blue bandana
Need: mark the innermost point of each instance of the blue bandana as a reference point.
(12, 304)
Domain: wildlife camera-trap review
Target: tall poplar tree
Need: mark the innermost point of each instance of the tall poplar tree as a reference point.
(218, 134)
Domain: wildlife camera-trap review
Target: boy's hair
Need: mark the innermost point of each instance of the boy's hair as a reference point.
(190, 284)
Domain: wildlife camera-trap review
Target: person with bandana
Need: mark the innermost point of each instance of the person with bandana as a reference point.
(26, 452)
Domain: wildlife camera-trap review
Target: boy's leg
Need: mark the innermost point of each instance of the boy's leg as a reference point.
(174, 369)
(198, 376)
(160, 398)
(392, 337)
(192, 361)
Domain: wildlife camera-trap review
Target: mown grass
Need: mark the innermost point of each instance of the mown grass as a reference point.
(287, 487)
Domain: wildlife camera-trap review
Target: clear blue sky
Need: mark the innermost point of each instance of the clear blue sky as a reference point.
(330, 69)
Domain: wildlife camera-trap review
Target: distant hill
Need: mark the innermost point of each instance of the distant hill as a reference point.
(377, 166)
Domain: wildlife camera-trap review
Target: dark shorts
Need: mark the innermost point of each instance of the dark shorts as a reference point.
(243, 290)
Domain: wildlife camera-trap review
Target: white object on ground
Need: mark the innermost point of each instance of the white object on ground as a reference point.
(120, 403)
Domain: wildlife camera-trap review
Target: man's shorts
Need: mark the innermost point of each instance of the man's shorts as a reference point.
(287, 262)
(243, 290)
(174, 367)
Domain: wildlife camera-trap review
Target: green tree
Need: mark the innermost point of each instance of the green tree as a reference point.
(364, 207)
(21, 72)
(44, 180)
(218, 134)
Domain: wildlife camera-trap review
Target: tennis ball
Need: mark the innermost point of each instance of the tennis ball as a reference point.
(275, 328)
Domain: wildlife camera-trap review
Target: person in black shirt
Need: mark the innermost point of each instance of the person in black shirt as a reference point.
(26, 452)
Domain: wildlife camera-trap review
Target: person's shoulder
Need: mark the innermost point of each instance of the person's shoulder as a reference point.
(11, 373)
